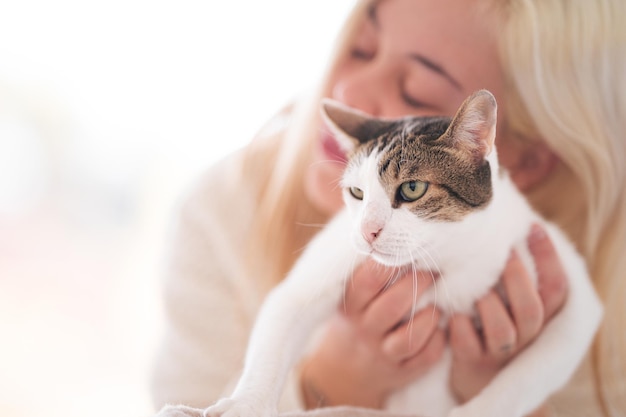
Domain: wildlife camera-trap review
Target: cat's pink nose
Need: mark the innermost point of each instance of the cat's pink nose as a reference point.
(371, 232)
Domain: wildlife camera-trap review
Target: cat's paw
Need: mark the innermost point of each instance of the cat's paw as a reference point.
(179, 411)
(232, 407)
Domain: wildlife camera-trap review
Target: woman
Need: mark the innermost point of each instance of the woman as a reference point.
(556, 68)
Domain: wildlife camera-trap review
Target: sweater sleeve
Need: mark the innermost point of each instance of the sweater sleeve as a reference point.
(210, 301)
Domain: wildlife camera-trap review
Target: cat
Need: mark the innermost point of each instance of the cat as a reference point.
(423, 193)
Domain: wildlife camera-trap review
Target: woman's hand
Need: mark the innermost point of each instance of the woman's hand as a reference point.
(370, 349)
(506, 330)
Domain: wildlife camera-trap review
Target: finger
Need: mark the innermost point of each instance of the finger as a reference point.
(552, 282)
(465, 342)
(367, 281)
(393, 305)
(428, 356)
(410, 338)
(524, 300)
(498, 328)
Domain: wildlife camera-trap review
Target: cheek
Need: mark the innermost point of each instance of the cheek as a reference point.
(321, 183)
(509, 151)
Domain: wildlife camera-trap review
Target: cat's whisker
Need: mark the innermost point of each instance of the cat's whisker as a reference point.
(428, 261)
(411, 315)
(414, 294)
(441, 278)
(300, 249)
(327, 161)
(349, 279)
(414, 289)
(394, 275)
(337, 185)
(311, 225)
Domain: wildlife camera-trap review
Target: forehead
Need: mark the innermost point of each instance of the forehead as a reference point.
(449, 32)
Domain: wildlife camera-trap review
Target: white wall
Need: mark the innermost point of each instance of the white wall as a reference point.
(107, 110)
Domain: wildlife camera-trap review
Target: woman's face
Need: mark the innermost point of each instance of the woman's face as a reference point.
(409, 57)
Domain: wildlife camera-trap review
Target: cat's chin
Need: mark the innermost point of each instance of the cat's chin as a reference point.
(383, 258)
(388, 260)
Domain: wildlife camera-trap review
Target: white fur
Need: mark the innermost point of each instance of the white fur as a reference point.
(469, 255)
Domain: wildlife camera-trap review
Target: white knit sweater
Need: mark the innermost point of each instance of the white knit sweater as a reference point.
(210, 300)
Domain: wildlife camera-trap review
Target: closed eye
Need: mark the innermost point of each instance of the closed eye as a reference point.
(411, 101)
(361, 54)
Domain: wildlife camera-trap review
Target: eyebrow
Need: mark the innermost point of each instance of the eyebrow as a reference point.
(373, 17)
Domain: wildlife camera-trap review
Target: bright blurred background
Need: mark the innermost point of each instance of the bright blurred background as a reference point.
(108, 110)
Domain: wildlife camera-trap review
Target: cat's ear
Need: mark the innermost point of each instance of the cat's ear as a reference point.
(473, 128)
(350, 127)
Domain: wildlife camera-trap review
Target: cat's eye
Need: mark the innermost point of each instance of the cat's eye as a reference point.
(412, 190)
(356, 192)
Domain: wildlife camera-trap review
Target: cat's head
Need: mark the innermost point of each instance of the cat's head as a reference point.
(406, 176)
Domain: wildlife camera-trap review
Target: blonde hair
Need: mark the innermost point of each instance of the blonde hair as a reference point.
(565, 63)
(286, 220)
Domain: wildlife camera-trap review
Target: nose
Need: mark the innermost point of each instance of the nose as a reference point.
(355, 93)
(370, 88)
(370, 231)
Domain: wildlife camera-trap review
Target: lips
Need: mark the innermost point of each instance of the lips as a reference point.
(331, 149)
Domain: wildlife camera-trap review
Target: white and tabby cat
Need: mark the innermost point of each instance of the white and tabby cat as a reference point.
(424, 193)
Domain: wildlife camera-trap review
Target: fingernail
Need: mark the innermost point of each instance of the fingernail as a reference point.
(537, 233)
